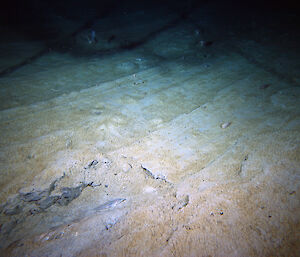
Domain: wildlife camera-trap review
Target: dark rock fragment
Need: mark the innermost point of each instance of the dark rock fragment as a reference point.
(264, 86)
(34, 211)
(68, 194)
(46, 203)
(91, 164)
(33, 196)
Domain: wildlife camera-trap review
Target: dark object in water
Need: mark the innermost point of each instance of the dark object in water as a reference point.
(208, 43)
(111, 38)
(264, 86)
(204, 43)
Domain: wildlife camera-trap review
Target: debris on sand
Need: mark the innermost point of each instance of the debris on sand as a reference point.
(225, 125)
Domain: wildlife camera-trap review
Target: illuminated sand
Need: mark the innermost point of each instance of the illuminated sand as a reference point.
(140, 165)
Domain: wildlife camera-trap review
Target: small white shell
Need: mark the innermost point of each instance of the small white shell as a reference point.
(225, 125)
(126, 167)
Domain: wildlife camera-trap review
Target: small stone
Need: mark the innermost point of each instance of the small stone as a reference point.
(30, 156)
(225, 125)
(106, 161)
(126, 167)
(69, 143)
(93, 163)
(108, 226)
(34, 211)
(97, 112)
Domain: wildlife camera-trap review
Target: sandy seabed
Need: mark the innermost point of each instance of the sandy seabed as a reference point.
(173, 148)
